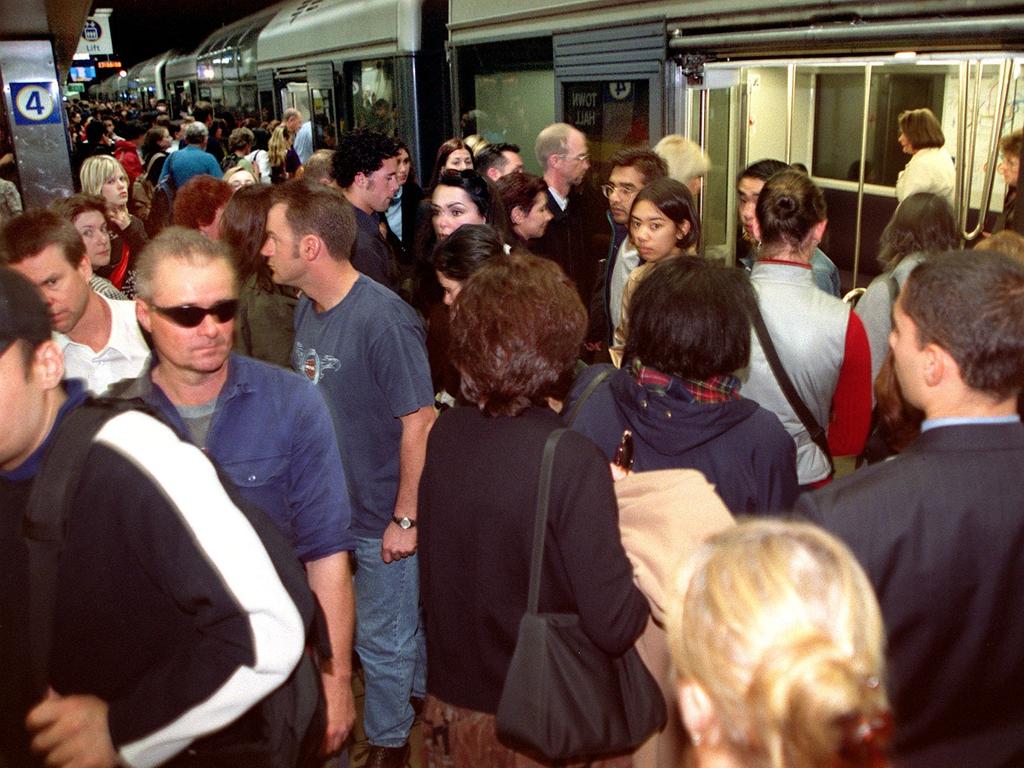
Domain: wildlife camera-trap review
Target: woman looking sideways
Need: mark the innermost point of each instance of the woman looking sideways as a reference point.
(525, 197)
(103, 176)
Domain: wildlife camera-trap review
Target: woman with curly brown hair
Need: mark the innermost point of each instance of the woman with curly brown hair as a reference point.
(516, 327)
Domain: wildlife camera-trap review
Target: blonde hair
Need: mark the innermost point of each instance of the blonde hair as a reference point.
(686, 161)
(280, 143)
(96, 170)
(780, 627)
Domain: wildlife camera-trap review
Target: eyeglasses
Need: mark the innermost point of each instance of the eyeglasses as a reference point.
(188, 316)
(623, 189)
(578, 158)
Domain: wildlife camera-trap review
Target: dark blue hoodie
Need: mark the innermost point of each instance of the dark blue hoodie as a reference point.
(739, 446)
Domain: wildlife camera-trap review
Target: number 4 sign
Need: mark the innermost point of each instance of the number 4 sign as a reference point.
(34, 104)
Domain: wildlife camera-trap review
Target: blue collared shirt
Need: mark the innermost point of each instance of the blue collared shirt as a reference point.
(272, 434)
(959, 421)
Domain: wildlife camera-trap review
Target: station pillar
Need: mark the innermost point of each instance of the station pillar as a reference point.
(36, 120)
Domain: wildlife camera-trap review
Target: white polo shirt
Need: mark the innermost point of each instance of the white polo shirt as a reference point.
(124, 356)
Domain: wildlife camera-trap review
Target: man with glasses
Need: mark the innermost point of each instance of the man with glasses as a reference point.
(632, 170)
(562, 152)
(99, 337)
(266, 428)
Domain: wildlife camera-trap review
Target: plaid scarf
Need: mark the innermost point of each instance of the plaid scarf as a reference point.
(717, 389)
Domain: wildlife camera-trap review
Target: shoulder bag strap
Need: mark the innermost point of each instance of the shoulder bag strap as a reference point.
(540, 521)
(586, 393)
(45, 525)
(801, 410)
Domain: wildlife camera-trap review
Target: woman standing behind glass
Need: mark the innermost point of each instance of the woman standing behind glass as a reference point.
(516, 328)
(930, 168)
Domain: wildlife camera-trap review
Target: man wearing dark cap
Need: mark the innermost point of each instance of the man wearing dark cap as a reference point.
(170, 620)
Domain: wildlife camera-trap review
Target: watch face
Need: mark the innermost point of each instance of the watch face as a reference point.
(404, 523)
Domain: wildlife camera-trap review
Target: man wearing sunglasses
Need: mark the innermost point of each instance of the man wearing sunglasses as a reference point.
(265, 427)
(169, 619)
(99, 337)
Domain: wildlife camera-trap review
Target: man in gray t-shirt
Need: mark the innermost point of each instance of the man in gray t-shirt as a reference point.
(364, 348)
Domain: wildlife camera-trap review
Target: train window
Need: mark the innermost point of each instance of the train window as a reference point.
(838, 111)
(512, 107)
(506, 91)
(374, 97)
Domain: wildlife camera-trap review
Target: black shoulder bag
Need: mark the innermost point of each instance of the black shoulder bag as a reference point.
(814, 429)
(563, 696)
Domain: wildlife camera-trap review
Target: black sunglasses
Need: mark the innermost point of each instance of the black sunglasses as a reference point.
(188, 316)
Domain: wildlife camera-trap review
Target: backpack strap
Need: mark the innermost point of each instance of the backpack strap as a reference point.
(800, 408)
(45, 523)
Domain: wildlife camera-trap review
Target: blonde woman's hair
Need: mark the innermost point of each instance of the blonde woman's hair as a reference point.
(779, 625)
(280, 142)
(96, 170)
(686, 161)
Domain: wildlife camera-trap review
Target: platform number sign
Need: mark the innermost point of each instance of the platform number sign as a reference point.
(34, 104)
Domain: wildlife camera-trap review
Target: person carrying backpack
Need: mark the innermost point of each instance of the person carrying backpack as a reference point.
(144, 610)
(240, 152)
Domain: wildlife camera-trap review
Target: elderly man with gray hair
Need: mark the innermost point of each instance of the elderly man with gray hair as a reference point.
(563, 155)
(192, 159)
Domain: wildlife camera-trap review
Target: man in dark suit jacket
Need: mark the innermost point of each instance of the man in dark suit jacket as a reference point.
(940, 528)
(562, 152)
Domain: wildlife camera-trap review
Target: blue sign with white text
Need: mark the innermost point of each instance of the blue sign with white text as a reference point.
(34, 103)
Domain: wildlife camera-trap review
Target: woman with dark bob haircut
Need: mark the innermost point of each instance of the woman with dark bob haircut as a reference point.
(516, 328)
(264, 326)
(930, 168)
(689, 330)
(922, 225)
(820, 342)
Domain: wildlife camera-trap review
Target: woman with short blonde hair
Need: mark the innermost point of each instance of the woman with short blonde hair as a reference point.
(779, 646)
(103, 176)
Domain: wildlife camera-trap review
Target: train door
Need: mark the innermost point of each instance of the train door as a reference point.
(839, 119)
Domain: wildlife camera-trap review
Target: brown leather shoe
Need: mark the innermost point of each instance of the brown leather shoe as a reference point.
(387, 757)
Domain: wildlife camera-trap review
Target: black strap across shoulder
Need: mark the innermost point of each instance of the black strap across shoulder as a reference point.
(586, 393)
(814, 429)
(541, 519)
(44, 525)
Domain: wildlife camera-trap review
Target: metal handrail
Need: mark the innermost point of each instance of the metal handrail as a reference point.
(964, 207)
(860, 177)
(790, 109)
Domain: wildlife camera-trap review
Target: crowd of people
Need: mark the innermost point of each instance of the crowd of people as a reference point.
(378, 367)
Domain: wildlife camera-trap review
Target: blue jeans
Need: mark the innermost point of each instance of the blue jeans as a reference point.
(390, 642)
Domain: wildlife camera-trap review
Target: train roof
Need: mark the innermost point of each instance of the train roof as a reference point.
(304, 31)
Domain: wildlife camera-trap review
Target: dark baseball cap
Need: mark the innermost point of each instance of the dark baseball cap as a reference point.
(23, 314)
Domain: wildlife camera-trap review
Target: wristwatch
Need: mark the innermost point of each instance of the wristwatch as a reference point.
(405, 523)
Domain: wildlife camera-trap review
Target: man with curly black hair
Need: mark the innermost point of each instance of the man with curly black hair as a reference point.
(365, 166)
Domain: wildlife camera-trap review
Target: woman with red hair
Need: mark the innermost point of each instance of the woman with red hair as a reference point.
(200, 204)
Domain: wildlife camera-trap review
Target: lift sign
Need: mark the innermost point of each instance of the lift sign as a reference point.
(33, 104)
